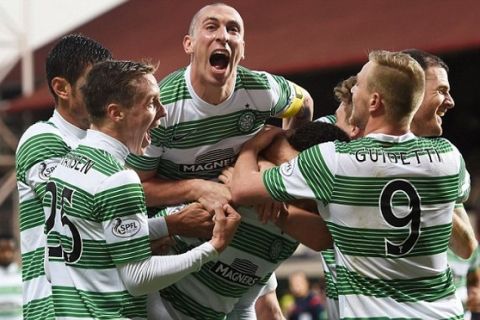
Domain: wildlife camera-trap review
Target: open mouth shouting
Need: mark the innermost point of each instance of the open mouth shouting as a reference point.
(219, 59)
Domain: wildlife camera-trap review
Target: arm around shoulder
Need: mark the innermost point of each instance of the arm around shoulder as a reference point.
(462, 240)
(301, 115)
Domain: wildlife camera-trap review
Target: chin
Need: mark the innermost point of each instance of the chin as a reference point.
(434, 131)
(219, 80)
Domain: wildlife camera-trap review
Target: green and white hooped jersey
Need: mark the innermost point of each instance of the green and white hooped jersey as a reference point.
(40, 149)
(246, 264)
(329, 272)
(196, 139)
(328, 259)
(96, 220)
(389, 203)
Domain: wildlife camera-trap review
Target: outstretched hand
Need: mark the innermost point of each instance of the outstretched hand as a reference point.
(211, 194)
(192, 221)
(226, 221)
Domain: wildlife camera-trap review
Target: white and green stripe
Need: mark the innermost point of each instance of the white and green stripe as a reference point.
(247, 263)
(40, 148)
(104, 196)
(196, 139)
(351, 180)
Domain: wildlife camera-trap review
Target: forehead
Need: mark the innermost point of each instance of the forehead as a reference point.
(365, 69)
(220, 12)
(147, 86)
(151, 80)
(436, 76)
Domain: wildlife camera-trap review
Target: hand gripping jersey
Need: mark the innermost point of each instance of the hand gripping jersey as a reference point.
(39, 151)
(389, 202)
(96, 220)
(196, 139)
(244, 266)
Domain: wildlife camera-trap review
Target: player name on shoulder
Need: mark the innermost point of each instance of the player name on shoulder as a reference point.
(77, 162)
(401, 157)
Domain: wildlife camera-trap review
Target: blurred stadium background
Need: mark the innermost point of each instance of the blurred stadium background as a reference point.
(316, 43)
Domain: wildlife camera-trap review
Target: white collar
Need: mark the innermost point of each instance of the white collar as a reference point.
(65, 127)
(392, 139)
(99, 140)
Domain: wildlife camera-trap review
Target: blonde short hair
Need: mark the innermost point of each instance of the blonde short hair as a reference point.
(400, 80)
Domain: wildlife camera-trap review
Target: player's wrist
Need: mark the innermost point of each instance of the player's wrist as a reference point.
(196, 189)
(172, 222)
(219, 243)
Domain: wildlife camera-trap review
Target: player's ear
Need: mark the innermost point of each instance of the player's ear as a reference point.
(187, 44)
(61, 87)
(115, 112)
(375, 102)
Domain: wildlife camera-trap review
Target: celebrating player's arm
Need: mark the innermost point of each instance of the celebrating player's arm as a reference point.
(295, 220)
(300, 109)
(248, 162)
(208, 193)
(175, 192)
(158, 272)
(462, 241)
(192, 220)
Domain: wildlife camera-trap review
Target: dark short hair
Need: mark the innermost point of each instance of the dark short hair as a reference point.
(314, 133)
(112, 82)
(425, 59)
(71, 56)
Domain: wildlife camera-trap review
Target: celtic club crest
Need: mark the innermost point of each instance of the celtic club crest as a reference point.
(276, 249)
(246, 121)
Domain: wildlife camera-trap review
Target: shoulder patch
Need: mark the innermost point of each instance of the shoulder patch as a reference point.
(45, 169)
(125, 228)
(287, 168)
